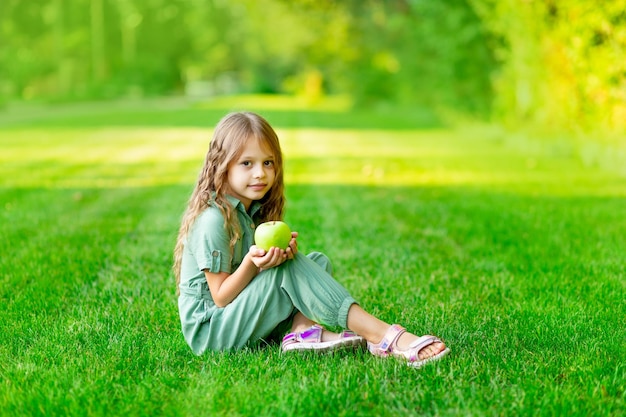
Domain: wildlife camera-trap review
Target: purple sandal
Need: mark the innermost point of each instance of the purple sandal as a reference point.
(311, 340)
(388, 347)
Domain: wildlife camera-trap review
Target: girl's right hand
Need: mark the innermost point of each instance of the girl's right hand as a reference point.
(265, 260)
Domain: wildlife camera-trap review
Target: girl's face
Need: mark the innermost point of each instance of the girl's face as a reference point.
(252, 174)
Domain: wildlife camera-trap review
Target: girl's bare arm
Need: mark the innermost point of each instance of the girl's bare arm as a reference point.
(226, 287)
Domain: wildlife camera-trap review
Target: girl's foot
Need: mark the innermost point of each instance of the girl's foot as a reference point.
(406, 339)
(415, 350)
(316, 338)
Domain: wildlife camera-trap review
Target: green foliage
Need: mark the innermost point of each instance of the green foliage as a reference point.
(563, 62)
(391, 52)
(429, 53)
(550, 64)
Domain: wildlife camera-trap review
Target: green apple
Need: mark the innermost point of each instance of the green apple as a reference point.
(272, 234)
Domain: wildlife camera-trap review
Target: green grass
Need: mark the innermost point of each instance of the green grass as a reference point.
(512, 250)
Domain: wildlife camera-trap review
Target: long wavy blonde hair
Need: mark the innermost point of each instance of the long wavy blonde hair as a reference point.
(229, 138)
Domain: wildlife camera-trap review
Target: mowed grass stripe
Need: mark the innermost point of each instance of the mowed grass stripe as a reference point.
(83, 330)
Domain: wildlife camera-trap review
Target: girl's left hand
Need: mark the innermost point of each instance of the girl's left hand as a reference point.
(293, 246)
(267, 259)
(275, 256)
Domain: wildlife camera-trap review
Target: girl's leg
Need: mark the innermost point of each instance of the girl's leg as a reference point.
(373, 330)
(318, 297)
(300, 321)
(314, 292)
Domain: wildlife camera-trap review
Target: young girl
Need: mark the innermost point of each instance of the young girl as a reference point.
(233, 294)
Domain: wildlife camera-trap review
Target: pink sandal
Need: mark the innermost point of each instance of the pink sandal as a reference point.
(311, 340)
(388, 347)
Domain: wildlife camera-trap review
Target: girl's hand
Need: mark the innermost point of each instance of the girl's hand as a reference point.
(265, 260)
(293, 246)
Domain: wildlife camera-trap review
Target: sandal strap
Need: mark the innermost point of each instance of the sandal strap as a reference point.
(311, 335)
(385, 347)
(412, 352)
(347, 334)
(422, 342)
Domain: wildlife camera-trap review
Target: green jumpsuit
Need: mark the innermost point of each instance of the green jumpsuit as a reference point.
(301, 284)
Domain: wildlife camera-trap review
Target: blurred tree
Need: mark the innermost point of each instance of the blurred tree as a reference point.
(98, 45)
(422, 52)
(542, 61)
(563, 62)
(21, 46)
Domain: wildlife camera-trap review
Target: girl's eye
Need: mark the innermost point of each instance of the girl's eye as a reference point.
(246, 163)
(269, 163)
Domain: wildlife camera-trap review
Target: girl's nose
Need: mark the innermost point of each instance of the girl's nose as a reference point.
(259, 172)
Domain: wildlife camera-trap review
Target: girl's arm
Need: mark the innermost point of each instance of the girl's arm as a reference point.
(225, 287)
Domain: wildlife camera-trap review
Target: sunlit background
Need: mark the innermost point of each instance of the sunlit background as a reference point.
(551, 64)
(111, 93)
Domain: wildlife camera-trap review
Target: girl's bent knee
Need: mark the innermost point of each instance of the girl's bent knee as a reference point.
(322, 260)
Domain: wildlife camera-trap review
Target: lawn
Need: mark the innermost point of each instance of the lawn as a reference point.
(512, 249)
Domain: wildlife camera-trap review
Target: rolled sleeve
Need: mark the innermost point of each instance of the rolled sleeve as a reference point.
(209, 243)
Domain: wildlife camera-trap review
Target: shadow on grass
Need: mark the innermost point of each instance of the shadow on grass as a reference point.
(377, 236)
